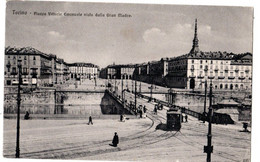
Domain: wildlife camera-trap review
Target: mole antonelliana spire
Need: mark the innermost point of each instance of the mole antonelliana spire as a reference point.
(195, 46)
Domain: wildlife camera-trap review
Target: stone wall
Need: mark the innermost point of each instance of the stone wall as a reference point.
(195, 101)
(44, 99)
(69, 103)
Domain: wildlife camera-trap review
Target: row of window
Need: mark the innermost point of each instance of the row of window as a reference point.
(25, 58)
(23, 62)
(24, 70)
(210, 61)
(226, 86)
(221, 67)
(221, 73)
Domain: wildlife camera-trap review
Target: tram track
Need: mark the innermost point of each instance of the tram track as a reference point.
(61, 151)
(142, 138)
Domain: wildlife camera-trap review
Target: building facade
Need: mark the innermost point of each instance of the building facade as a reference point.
(40, 69)
(81, 71)
(118, 71)
(226, 71)
(36, 67)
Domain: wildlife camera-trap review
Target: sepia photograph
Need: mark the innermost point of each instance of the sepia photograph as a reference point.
(127, 82)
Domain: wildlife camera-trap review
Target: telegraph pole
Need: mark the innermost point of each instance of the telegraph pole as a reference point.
(205, 101)
(132, 86)
(135, 91)
(209, 148)
(17, 154)
(151, 92)
(140, 88)
(122, 87)
(115, 83)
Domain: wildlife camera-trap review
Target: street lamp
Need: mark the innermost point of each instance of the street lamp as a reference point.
(135, 86)
(205, 102)
(140, 88)
(209, 148)
(205, 96)
(19, 64)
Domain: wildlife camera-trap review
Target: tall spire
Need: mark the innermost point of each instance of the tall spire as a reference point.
(195, 46)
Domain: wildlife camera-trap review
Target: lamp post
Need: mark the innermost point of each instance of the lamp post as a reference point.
(209, 149)
(205, 101)
(17, 154)
(151, 92)
(122, 88)
(132, 86)
(135, 87)
(140, 88)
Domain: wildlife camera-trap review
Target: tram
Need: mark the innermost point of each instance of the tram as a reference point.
(174, 118)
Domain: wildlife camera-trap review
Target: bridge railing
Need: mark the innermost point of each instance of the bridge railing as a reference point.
(130, 107)
(167, 104)
(126, 105)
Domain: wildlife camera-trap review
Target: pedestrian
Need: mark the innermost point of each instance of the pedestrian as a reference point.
(144, 109)
(186, 118)
(145, 112)
(90, 120)
(121, 117)
(141, 113)
(26, 116)
(245, 125)
(155, 110)
(115, 140)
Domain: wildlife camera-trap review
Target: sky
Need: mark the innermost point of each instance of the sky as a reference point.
(152, 31)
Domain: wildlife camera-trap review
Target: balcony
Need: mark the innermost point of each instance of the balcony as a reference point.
(247, 70)
(231, 77)
(34, 74)
(216, 69)
(211, 77)
(25, 73)
(14, 73)
(221, 77)
(226, 69)
(192, 76)
(236, 70)
(200, 77)
(241, 77)
(192, 69)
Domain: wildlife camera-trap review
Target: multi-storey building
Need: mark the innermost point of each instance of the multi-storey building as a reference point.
(42, 69)
(36, 66)
(83, 70)
(225, 70)
(118, 71)
(153, 72)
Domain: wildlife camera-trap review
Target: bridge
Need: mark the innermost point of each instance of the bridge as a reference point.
(148, 102)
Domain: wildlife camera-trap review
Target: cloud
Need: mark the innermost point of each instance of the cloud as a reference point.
(55, 34)
(205, 30)
(182, 28)
(176, 40)
(154, 35)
